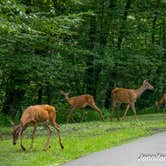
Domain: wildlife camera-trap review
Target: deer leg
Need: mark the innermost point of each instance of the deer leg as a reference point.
(48, 139)
(157, 106)
(112, 113)
(134, 110)
(83, 116)
(117, 110)
(33, 136)
(70, 114)
(21, 144)
(93, 105)
(58, 132)
(72, 119)
(127, 108)
(164, 107)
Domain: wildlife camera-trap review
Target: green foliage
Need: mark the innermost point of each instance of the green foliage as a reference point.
(5, 120)
(81, 45)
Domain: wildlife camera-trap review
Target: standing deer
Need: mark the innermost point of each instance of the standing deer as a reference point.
(34, 115)
(129, 96)
(162, 101)
(80, 102)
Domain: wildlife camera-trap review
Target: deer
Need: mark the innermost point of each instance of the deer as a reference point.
(128, 96)
(45, 114)
(162, 101)
(81, 101)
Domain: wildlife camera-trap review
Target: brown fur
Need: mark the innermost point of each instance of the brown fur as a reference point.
(33, 115)
(162, 101)
(129, 96)
(81, 102)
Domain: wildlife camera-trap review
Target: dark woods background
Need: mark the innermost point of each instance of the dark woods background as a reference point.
(86, 46)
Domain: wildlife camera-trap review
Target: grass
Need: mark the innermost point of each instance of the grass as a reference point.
(79, 139)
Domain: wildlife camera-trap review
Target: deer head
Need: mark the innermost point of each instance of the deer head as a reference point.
(147, 85)
(16, 133)
(66, 94)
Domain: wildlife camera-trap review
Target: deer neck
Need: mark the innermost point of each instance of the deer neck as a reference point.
(67, 98)
(139, 91)
(21, 124)
(161, 101)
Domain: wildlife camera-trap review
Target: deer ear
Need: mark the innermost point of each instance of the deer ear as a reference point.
(61, 92)
(12, 124)
(145, 81)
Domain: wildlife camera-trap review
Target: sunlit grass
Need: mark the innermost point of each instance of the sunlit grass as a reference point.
(79, 139)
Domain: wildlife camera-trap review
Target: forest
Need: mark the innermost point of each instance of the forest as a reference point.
(85, 46)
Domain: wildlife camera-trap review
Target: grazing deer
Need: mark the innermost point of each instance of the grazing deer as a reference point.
(129, 96)
(162, 101)
(80, 102)
(34, 115)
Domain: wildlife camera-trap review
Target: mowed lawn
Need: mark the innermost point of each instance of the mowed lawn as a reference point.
(79, 139)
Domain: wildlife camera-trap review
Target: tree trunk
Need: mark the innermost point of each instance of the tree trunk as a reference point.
(13, 94)
(107, 22)
(123, 24)
(153, 28)
(12, 100)
(110, 87)
(163, 33)
(39, 95)
(48, 90)
(8, 101)
(108, 27)
(89, 76)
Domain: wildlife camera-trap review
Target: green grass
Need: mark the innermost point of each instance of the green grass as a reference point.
(79, 139)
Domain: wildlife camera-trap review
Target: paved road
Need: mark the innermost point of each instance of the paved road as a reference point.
(132, 154)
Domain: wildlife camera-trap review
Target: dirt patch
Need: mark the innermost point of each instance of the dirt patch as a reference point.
(159, 129)
(151, 132)
(112, 129)
(129, 139)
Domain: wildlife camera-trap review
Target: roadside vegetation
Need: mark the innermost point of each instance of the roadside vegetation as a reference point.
(79, 139)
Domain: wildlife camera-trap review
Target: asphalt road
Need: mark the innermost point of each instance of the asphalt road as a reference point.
(147, 151)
